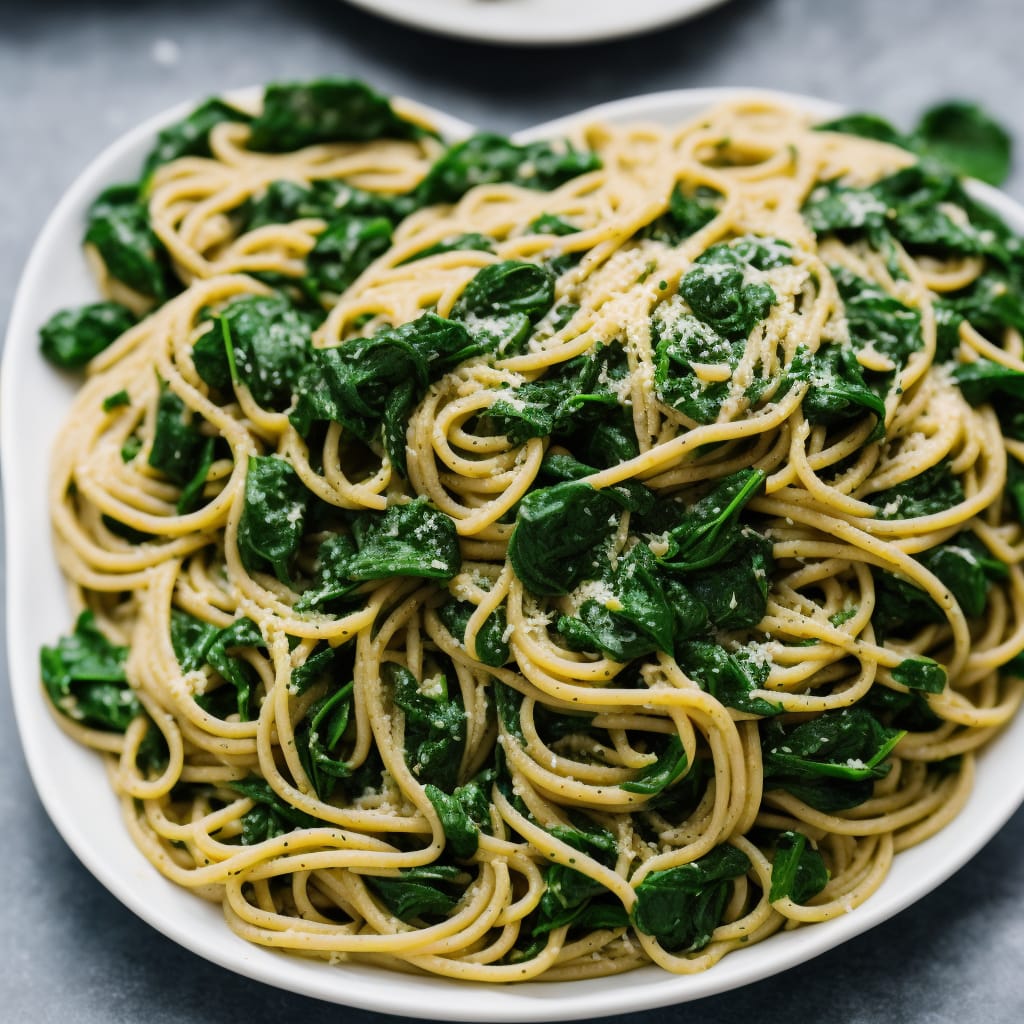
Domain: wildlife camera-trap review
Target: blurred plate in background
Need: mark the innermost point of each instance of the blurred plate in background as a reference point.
(540, 22)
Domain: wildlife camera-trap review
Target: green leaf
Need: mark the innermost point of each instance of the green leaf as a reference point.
(491, 645)
(487, 159)
(272, 816)
(688, 211)
(414, 539)
(681, 907)
(197, 643)
(417, 892)
(728, 677)
(671, 764)
(85, 679)
(635, 617)
(435, 725)
(190, 136)
(867, 126)
(468, 241)
(347, 246)
(830, 762)
(934, 490)
(269, 342)
(717, 290)
(557, 530)
(319, 736)
(709, 529)
(273, 515)
(70, 338)
(920, 674)
(179, 449)
(966, 139)
(327, 110)
(118, 226)
(798, 870)
(463, 813)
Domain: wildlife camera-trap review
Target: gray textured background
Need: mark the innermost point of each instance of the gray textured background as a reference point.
(75, 75)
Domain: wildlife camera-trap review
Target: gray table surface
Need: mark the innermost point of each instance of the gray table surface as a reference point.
(75, 75)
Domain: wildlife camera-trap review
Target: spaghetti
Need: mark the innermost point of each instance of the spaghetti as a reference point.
(625, 571)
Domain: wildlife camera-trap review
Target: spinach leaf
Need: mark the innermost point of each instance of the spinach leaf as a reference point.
(468, 241)
(197, 643)
(190, 136)
(798, 870)
(118, 226)
(960, 135)
(319, 736)
(710, 529)
(418, 892)
(965, 138)
(681, 907)
(634, 617)
(558, 529)
(984, 381)
(269, 341)
(463, 813)
(486, 159)
(491, 642)
(324, 199)
(687, 341)
(716, 289)
(85, 679)
(71, 337)
(271, 816)
(728, 677)
(578, 397)
(371, 384)
(346, 247)
(877, 319)
(435, 725)
(688, 211)
(867, 126)
(179, 450)
(838, 393)
(920, 674)
(830, 762)
(934, 490)
(330, 580)
(327, 110)
(569, 893)
(734, 592)
(273, 515)
(503, 301)
(671, 764)
(414, 539)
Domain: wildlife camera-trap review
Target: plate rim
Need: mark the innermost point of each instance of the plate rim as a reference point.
(645, 988)
(493, 23)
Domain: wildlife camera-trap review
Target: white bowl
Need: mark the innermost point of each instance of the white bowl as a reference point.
(34, 401)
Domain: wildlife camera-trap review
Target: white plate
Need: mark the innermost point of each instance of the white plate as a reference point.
(538, 22)
(34, 400)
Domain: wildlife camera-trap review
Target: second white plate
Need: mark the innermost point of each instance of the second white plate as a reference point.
(537, 22)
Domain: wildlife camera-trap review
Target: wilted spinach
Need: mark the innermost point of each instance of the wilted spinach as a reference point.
(273, 515)
(798, 870)
(486, 159)
(326, 110)
(681, 907)
(118, 226)
(830, 762)
(435, 725)
(85, 679)
(71, 337)
(264, 341)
